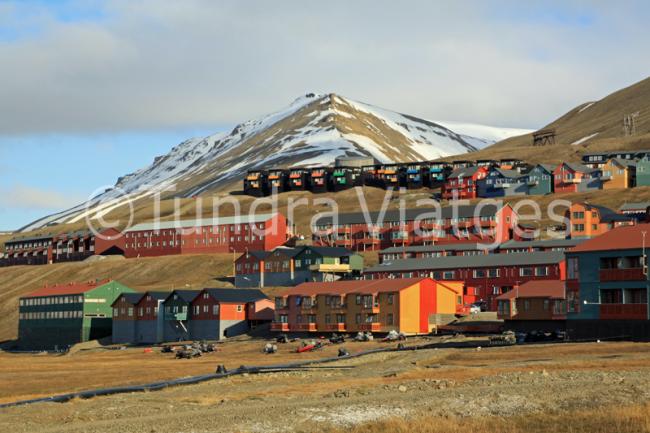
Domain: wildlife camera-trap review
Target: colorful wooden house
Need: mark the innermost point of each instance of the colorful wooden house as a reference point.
(538, 305)
(462, 183)
(299, 179)
(319, 179)
(502, 183)
(411, 306)
(607, 285)
(619, 173)
(278, 180)
(588, 220)
(256, 184)
(540, 180)
(570, 177)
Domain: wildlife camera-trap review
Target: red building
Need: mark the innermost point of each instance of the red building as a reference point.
(462, 182)
(570, 177)
(539, 305)
(452, 224)
(491, 274)
(205, 236)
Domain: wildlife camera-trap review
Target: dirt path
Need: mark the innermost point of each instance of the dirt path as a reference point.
(498, 381)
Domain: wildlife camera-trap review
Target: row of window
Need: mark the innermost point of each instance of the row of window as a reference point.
(44, 315)
(339, 318)
(210, 241)
(51, 300)
(537, 271)
(211, 229)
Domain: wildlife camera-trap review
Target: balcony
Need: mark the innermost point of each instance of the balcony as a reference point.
(631, 274)
(306, 327)
(623, 311)
(324, 267)
(281, 327)
(335, 327)
(176, 316)
(370, 308)
(372, 327)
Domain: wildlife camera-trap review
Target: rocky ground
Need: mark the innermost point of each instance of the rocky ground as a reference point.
(502, 381)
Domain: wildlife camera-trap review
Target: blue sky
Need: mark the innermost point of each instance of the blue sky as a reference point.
(120, 81)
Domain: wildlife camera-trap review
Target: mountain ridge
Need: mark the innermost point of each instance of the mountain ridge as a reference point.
(313, 130)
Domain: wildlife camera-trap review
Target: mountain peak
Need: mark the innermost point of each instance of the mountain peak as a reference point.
(313, 130)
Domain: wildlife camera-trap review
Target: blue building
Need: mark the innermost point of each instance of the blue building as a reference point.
(502, 183)
(607, 285)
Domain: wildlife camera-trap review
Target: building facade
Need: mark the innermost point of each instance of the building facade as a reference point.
(462, 183)
(63, 315)
(412, 306)
(499, 182)
(540, 180)
(588, 220)
(207, 236)
(452, 224)
(607, 285)
(619, 173)
(570, 177)
(490, 274)
(535, 305)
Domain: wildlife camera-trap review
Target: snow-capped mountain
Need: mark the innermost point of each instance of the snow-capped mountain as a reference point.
(313, 130)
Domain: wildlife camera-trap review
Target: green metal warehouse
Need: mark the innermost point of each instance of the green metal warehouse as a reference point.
(62, 315)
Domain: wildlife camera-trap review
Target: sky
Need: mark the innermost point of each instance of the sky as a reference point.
(91, 90)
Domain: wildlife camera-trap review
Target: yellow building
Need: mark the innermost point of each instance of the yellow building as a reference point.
(409, 305)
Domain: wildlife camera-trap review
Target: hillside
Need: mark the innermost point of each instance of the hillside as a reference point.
(590, 127)
(312, 131)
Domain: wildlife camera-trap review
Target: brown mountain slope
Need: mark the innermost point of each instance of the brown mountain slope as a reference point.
(590, 127)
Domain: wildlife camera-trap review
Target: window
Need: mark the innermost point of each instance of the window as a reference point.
(448, 275)
(240, 308)
(357, 300)
(215, 310)
(546, 304)
(206, 308)
(357, 319)
(541, 271)
(130, 311)
(526, 305)
(390, 319)
(391, 299)
(526, 272)
(328, 319)
(479, 273)
(493, 273)
(578, 227)
(197, 309)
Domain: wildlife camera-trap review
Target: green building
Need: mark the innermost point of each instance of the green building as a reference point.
(63, 315)
(327, 262)
(643, 171)
(540, 179)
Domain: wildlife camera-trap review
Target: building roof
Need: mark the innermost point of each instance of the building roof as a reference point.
(464, 171)
(554, 289)
(131, 298)
(67, 289)
(581, 168)
(236, 295)
(353, 286)
(186, 295)
(624, 162)
(478, 261)
(548, 167)
(289, 251)
(636, 206)
(510, 174)
(464, 211)
(542, 243)
(331, 251)
(161, 296)
(619, 238)
(434, 248)
(606, 214)
(30, 238)
(205, 222)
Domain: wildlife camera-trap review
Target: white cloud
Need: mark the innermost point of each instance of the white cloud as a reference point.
(31, 198)
(153, 64)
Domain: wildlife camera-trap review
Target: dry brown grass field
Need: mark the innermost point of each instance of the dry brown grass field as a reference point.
(589, 387)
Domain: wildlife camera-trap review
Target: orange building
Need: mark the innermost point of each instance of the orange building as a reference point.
(588, 220)
(619, 173)
(409, 305)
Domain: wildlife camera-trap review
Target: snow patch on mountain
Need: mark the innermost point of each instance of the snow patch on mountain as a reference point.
(308, 132)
